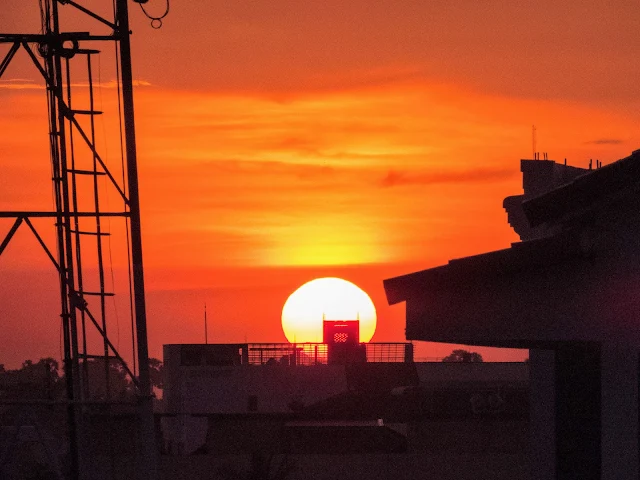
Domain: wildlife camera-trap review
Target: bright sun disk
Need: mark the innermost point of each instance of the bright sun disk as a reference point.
(327, 298)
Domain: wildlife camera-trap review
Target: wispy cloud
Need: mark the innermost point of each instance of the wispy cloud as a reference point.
(397, 178)
(20, 84)
(13, 80)
(29, 84)
(605, 141)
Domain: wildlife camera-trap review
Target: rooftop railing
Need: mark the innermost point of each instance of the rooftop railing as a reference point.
(292, 354)
(287, 354)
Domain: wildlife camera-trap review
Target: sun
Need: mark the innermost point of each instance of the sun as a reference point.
(330, 298)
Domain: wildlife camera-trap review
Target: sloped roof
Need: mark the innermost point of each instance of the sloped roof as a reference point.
(578, 285)
(523, 255)
(584, 191)
(580, 194)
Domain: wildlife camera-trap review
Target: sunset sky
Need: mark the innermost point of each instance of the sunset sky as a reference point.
(284, 140)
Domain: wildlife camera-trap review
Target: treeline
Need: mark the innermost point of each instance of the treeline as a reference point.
(460, 355)
(45, 380)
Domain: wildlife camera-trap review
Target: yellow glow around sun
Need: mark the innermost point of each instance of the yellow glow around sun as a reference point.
(331, 297)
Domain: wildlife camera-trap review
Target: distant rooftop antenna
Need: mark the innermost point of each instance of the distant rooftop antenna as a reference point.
(533, 140)
(206, 335)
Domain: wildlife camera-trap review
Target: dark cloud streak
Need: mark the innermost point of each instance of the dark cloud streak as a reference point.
(396, 178)
(605, 141)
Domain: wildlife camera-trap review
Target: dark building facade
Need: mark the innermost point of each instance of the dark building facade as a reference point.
(570, 292)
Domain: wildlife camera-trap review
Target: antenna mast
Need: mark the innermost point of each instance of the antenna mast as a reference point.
(64, 60)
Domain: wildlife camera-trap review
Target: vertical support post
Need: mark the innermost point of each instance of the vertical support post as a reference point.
(619, 411)
(542, 419)
(148, 463)
(578, 412)
(408, 353)
(58, 146)
(245, 354)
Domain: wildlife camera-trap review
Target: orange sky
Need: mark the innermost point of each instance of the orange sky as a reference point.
(280, 141)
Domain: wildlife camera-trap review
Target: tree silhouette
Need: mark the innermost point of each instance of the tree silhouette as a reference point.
(40, 380)
(460, 355)
(103, 383)
(119, 383)
(156, 373)
(45, 380)
(32, 383)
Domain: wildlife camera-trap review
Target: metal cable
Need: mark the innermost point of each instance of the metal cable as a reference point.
(106, 193)
(76, 220)
(156, 22)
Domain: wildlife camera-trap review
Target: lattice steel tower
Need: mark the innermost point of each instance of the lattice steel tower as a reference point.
(80, 217)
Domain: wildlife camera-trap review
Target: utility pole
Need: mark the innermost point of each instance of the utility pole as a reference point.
(145, 400)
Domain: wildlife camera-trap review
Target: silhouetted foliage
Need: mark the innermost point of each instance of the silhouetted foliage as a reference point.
(101, 380)
(33, 381)
(460, 355)
(39, 380)
(120, 384)
(156, 373)
(45, 379)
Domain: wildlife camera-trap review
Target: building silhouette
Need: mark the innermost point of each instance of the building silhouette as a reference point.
(569, 292)
(324, 409)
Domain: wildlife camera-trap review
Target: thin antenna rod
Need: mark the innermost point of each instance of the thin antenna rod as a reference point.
(206, 335)
(533, 140)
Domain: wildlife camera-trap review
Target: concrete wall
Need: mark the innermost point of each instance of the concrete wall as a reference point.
(228, 389)
(201, 390)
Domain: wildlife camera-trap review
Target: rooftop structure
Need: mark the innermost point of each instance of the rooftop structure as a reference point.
(568, 292)
(241, 388)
